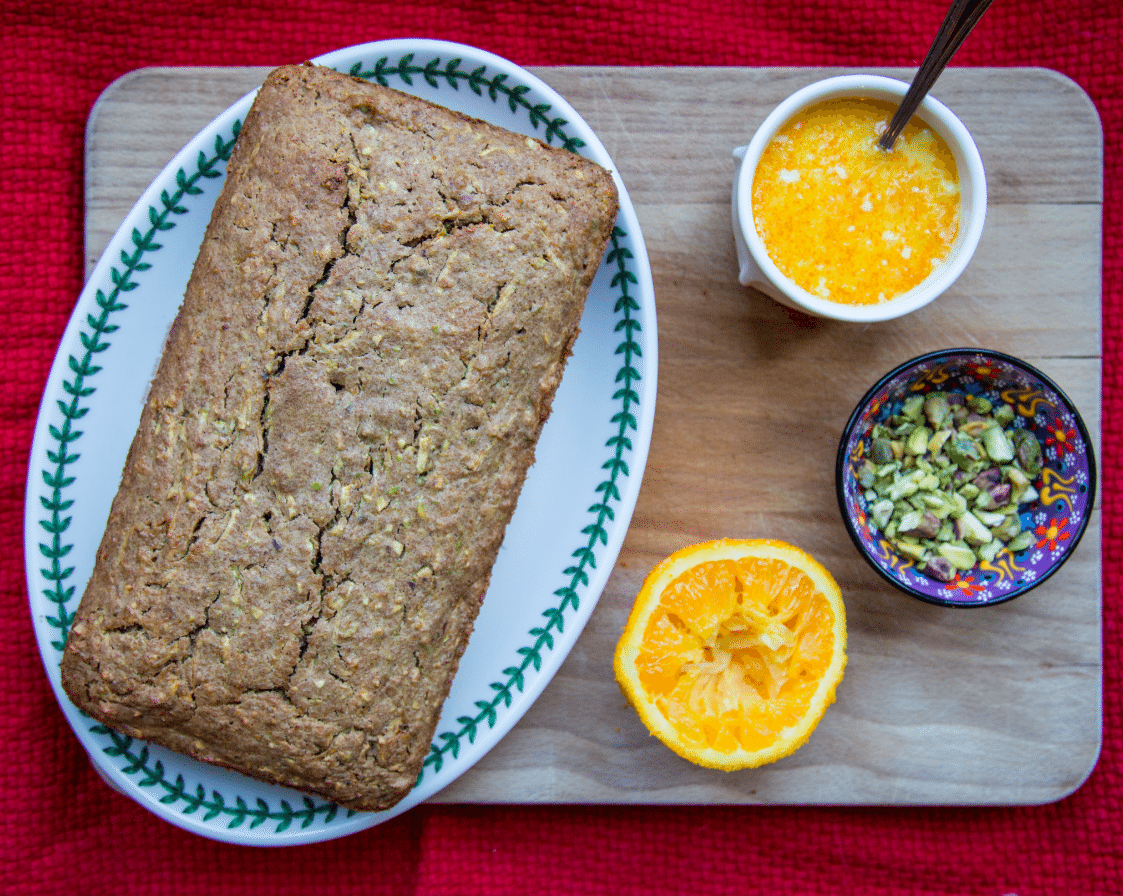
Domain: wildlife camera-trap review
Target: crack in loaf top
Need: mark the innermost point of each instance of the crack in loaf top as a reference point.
(336, 437)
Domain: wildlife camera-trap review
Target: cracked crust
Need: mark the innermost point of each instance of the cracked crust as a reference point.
(335, 440)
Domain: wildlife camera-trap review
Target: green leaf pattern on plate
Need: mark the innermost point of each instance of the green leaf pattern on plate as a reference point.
(138, 763)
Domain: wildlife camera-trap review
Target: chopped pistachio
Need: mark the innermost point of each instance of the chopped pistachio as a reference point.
(939, 568)
(912, 407)
(881, 451)
(990, 550)
(1027, 450)
(945, 477)
(1008, 530)
(917, 441)
(922, 524)
(960, 556)
(980, 404)
(937, 441)
(972, 530)
(881, 512)
(1004, 415)
(964, 452)
(911, 549)
(999, 447)
(936, 409)
(867, 474)
(989, 518)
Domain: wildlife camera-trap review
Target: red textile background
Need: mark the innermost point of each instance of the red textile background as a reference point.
(62, 831)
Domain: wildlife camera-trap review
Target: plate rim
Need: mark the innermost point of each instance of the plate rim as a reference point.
(633, 268)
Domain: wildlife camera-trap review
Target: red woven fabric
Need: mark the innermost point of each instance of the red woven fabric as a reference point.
(62, 831)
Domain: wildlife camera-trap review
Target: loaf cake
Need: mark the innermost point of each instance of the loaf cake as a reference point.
(335, 438)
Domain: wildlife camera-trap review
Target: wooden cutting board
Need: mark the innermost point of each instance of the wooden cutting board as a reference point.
(939, 706)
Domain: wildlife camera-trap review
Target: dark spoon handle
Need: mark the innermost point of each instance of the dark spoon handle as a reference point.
(958, 22)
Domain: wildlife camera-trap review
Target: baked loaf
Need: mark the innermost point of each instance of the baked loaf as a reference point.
(336, 436)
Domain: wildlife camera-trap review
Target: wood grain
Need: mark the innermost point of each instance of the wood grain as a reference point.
(939, 706)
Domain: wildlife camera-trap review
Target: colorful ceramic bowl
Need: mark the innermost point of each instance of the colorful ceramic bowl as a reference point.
(1066, 486)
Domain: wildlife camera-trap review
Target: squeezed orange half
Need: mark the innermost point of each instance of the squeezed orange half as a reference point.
(733, 651)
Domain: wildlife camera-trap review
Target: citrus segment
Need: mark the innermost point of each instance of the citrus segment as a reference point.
(733, 651)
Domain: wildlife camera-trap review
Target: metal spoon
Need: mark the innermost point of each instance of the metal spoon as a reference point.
(958, 22)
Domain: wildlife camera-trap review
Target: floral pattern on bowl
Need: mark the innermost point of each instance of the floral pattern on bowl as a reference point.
(1066, 485)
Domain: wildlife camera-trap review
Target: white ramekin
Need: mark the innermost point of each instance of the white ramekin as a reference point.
(758, 270)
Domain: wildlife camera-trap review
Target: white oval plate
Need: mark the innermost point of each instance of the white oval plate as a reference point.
(561, 544)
